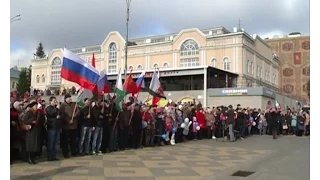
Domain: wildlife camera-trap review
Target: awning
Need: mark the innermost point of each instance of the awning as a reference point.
(186, 100)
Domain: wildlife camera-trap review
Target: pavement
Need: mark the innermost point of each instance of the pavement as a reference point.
(285, 158)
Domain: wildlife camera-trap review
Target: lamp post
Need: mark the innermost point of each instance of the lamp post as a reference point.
(126, 46)
(15, 18)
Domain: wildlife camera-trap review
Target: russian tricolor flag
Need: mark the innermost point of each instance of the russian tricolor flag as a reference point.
(140, 81)
(103, 83)
(77, 70)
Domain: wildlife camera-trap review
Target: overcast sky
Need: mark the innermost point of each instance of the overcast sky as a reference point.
(76, 23)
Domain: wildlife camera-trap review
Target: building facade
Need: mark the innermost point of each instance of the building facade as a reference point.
(294, 55)
(14, 78)
(236, 52)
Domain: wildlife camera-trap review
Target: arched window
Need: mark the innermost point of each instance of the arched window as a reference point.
(139, 67)
(248, 66)
(258, 71)
(165, 65)
(252, 68)
(189, 52)
(214, 62)
(38, 78)
(226, 64)
(155, 65)
(113, 57)
(189, 48)
(43, 78)
(56, 71)
(130, 68)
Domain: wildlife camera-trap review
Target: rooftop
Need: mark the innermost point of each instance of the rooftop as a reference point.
(14, 72)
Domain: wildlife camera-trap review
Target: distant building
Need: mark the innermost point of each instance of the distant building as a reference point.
(14, 78)
(293, 51)
(192, 63)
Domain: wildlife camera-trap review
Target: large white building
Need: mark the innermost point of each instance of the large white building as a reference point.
(240, 60)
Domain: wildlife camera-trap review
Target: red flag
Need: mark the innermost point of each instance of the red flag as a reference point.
(130, 85)
(155, 100)
(93, 61)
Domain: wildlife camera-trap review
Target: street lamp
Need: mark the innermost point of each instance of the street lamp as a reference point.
(15, 18)
(126, 47)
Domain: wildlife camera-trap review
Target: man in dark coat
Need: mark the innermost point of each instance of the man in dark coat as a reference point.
(70, 114)
(99, 112)
(136, 126)
(106, 127)
(86, 128)
(113, 129)
(230, 121)
(274, 124)
(124, 118)
(53, 127)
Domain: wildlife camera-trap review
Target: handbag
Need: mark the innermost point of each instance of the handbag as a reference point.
(285, 126)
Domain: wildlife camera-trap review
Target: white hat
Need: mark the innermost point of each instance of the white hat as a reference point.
(16, 104)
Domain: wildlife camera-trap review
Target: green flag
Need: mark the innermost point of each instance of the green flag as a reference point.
(84, 93)
(120, 93)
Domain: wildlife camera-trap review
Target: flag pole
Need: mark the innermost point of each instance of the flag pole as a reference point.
(75, 107)
(115, 123)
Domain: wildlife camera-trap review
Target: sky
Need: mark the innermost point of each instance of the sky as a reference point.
(77, 23)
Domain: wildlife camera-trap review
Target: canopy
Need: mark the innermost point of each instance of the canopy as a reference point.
(186, 100)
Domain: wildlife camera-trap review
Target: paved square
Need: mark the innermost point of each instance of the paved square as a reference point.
(194, 160)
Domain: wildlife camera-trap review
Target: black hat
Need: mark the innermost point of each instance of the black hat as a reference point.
(31, 104)
(238, 105)
(67, 96)
(230, 106)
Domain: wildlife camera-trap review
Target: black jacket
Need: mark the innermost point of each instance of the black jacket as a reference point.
(136, 120)
(230, 116)
(97, 116)
(88, 122)
(241, 118)
(52, 121)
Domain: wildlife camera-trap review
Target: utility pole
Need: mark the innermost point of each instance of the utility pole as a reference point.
(127, 40)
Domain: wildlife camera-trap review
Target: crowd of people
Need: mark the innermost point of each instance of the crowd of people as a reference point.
(99, 128)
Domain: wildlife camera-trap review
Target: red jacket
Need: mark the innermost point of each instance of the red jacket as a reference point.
(201, 119)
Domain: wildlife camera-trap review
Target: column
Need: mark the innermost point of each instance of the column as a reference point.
(226, 80)
(205, 86)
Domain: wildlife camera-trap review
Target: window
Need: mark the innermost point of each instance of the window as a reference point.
(275, 79)
(43, 78)
(226, 64)
(252, 68)
(248, 66)
(13, 85)
(258, 71)
(214, 62)
(266, 75)
(155, 65)
(112, 68)
(113, 56)
(261, 72)
(189, 62)
(130, 68)
(189, 48)
(38, 78)
(56, 71)
(165, 65)
(139, 67)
